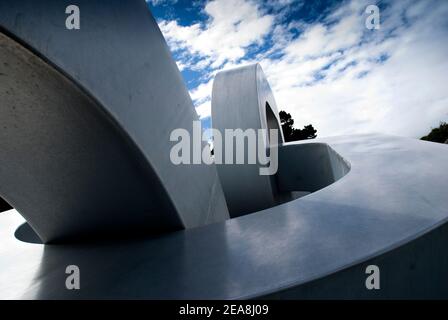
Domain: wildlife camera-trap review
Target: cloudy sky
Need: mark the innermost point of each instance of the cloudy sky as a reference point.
(324, 66)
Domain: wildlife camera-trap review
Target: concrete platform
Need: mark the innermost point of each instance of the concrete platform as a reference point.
(390, 209)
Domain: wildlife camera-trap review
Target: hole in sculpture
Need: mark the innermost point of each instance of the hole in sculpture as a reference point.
(272, 122)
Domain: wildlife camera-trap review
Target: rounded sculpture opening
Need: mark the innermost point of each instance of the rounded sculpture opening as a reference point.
(272, 124)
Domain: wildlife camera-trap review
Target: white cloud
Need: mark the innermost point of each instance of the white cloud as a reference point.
(201, 96)
(404, 95)
(233, 25)
(203, 110)
(202, 92)
(336, 74)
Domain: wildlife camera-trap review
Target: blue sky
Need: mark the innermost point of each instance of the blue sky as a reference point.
(324, 66)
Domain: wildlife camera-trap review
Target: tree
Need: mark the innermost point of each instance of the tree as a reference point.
(439, 134)
(292, 134)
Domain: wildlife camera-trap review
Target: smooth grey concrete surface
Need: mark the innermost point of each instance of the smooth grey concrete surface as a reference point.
(390, 207)
(309, 167)
(416, 270)
(242, 99)
(86, 125)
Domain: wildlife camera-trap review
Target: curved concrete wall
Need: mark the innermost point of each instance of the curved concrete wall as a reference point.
(118, 90)
(240, 100)
(65, 165)
(309, 166)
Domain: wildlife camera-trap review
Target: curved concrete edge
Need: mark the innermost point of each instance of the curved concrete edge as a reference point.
(242, 99)
(413, 269)
(389, 202)
(133, 79)
(269, 114)
(65, 165)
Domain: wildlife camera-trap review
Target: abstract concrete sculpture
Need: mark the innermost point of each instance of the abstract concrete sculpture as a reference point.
(85, 121)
